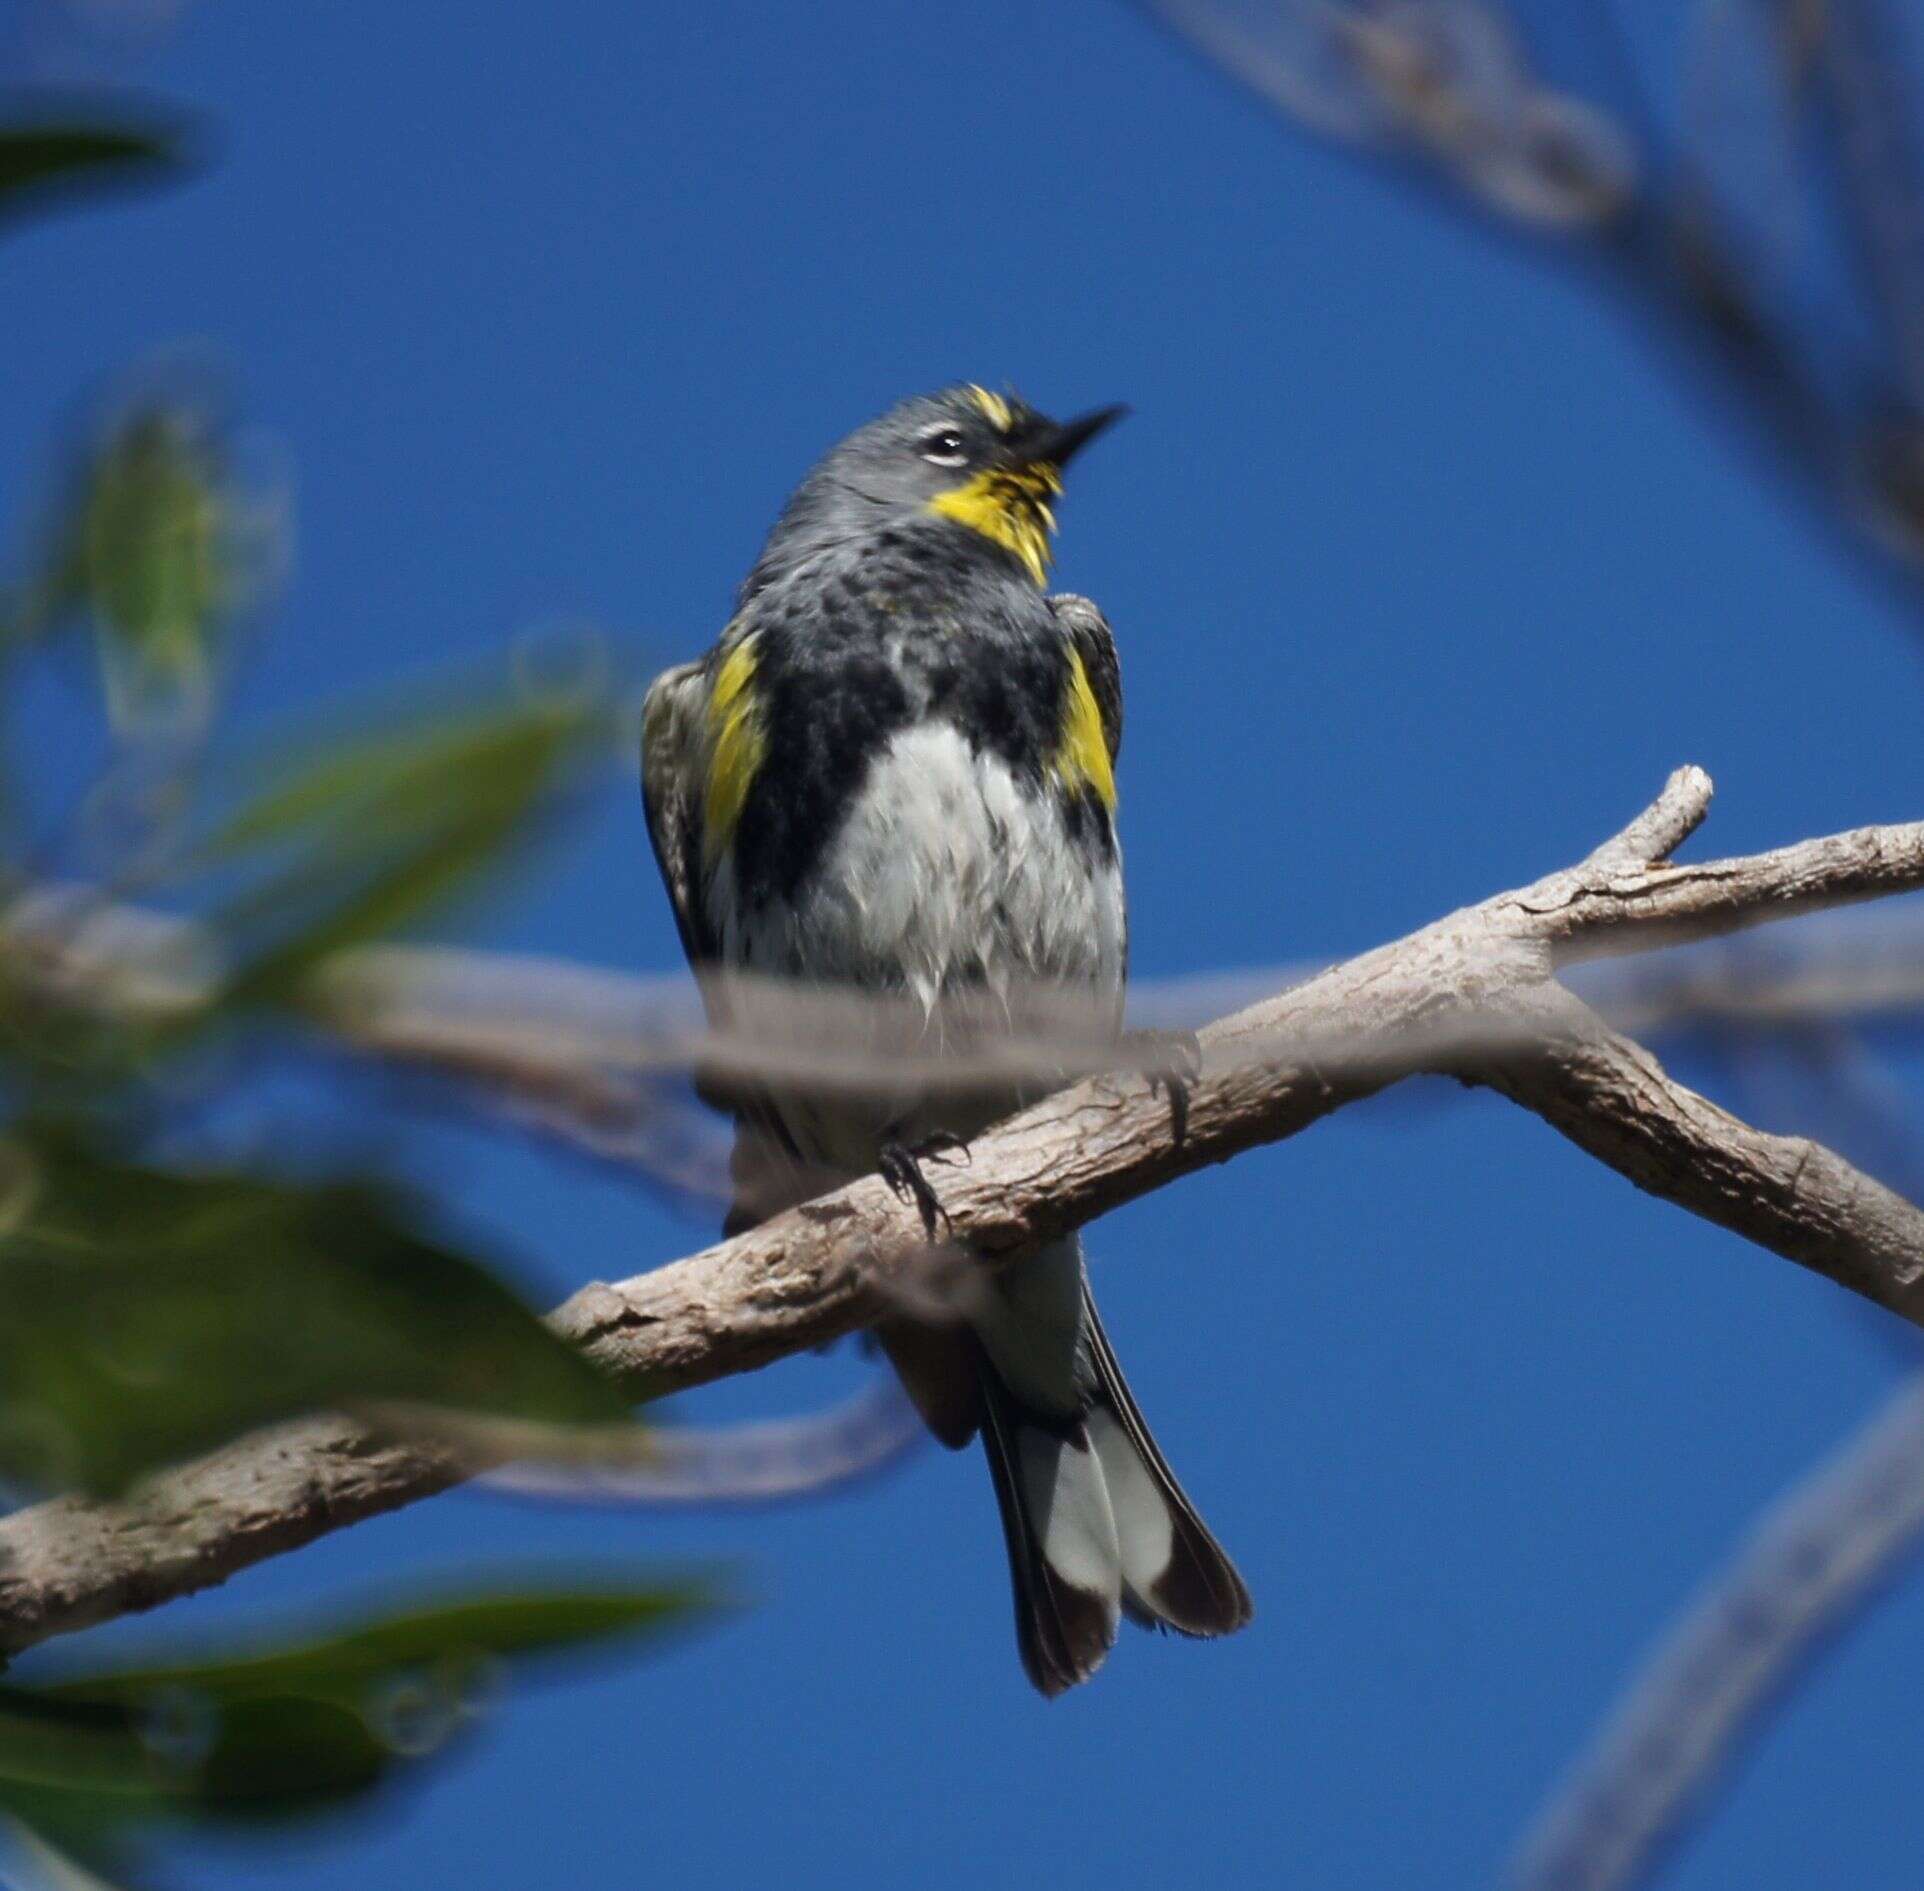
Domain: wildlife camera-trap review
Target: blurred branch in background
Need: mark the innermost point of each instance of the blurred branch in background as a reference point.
(594, 1058)
(1762, 207)
(750, 1463)
(1808, 1565)
(71, 43)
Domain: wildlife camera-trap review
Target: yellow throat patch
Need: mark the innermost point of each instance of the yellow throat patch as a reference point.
(1010, 505)
(737, 746)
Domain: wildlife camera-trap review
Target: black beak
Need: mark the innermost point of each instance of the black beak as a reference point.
(1058, 445)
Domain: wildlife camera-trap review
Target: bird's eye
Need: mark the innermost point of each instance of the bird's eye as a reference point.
(945, 447)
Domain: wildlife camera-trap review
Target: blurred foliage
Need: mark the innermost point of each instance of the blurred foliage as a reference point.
(351, 842)
(145, 1316)
(150, 1310)
(154, 549)
(158, 1295)
(48, 154)
(298, 1727)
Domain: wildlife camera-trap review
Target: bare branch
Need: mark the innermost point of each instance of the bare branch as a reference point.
(1614, 1100)
(1669, 904)
(1471, 995)
(1661, 828)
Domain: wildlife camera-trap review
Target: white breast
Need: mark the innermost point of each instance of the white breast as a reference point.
(943, 874)
(943, 883)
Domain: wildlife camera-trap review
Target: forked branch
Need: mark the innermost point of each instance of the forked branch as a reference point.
(1473, 995)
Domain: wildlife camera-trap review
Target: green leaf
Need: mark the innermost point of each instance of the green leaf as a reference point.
(441, 1637)
(155, 546)
(403, 768)
(147, 1316)
(41, 162)
(162, 556)
(356, 841)
(299, 1725)
(82, 1772)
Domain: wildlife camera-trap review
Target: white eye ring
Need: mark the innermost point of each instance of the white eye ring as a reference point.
(945, 448)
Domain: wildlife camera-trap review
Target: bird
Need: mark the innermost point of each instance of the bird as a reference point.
(893, 778)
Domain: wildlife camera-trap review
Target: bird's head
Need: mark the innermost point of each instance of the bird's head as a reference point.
(983, 463)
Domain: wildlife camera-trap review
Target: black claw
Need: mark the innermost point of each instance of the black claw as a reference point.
(1172, 1061)
(901, 1169)
(1177, 1090)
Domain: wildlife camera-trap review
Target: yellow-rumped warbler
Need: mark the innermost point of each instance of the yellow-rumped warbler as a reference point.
(893, 776)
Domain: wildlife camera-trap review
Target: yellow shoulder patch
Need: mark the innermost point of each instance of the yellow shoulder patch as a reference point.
(1082, 759)
(994, 407)
(737, 745)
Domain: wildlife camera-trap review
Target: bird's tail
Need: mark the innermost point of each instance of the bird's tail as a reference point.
(1097, 1526)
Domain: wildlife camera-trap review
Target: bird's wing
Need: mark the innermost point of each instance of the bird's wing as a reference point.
(674, 789)
(1089, 631)
(673, 767)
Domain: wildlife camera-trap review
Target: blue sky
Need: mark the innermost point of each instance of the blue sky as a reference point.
(1425, 571)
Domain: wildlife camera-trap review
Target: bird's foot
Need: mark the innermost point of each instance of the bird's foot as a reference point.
(1172, 1061)
(901, 1168)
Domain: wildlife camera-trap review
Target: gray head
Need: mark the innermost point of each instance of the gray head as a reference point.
(973, 461)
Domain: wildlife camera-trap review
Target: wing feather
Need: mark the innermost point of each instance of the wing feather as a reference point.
(1088, 630)
(1095, 643)
(675, 752)
(673, 787)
